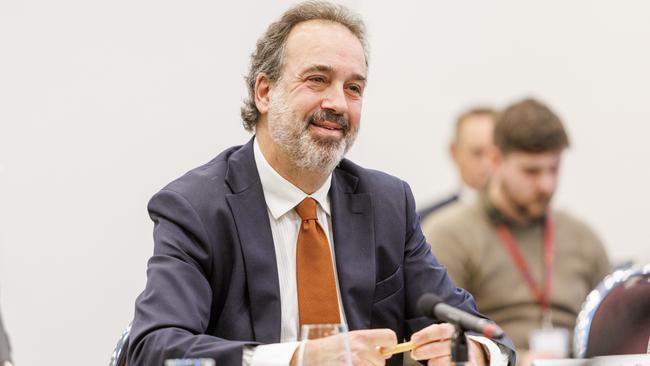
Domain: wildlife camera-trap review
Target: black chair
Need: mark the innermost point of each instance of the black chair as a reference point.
(615, 318)
(118, 357)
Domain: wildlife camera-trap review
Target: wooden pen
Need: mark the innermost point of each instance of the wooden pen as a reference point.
(402, 347)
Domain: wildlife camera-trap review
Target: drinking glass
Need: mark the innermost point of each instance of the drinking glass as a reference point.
(340, 344)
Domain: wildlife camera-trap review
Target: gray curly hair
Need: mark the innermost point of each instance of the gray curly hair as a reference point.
(268, 55)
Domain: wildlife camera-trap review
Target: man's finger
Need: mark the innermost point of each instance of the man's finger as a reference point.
(433, 333)
(432, 350)
(366, 344)
(440, 361)
(385, 338)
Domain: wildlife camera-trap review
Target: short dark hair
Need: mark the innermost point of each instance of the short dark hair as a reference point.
(529, 126)
(269, 53)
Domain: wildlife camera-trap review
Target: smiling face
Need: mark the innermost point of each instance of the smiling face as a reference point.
(313, 111)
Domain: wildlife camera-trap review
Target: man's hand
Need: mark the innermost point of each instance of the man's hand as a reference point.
(433, 343)
(365, 348)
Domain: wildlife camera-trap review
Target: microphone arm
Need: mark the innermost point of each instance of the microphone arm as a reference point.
(459, 347)
(432, 306)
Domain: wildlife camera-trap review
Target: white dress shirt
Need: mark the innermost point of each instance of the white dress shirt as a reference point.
(281, 197)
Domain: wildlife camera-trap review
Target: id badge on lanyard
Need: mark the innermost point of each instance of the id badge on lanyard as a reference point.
(547, 339)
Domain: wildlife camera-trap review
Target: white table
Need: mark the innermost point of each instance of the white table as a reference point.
(618, 360)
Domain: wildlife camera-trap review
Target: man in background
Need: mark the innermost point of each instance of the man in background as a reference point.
(469, 150)
(528, 266)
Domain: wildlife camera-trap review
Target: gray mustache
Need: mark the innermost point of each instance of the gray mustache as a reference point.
(322, 116)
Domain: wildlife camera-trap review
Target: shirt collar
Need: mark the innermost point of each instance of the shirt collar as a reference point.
(467, 194)
(280, 194)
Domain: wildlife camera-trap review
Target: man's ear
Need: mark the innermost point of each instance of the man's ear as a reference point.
(453, 148)
(262, 89)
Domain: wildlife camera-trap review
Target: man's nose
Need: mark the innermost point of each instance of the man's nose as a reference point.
(547, 182)
(334, 99)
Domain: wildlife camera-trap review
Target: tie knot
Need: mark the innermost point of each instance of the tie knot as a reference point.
(307, 209)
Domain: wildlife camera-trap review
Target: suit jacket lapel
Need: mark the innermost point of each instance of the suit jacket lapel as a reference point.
(251, 218)
(354, 245)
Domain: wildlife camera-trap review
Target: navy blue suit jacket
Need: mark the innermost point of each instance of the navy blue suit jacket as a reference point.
(212, 282)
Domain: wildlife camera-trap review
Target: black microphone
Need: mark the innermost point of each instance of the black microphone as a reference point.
(432, 306)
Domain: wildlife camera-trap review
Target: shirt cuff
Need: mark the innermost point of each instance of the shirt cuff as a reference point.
(276, 354)
(496, 355)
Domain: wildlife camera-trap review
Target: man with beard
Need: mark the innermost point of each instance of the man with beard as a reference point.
(528, 266)
(283, 232)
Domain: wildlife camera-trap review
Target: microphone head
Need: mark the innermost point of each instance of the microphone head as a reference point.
(426, 304)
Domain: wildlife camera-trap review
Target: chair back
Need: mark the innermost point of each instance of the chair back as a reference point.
(118, 357)
(615, 317)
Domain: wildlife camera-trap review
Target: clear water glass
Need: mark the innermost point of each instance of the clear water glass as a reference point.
(340, 342)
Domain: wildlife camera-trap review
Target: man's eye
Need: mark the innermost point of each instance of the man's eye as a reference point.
(355, 89)
(317, 79)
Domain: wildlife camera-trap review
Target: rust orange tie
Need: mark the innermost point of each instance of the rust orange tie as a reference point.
(317, 298)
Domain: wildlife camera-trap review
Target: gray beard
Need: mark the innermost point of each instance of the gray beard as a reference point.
(306, 152)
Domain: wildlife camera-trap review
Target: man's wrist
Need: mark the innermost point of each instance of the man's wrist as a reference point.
(274, 354)
(496, 354)
(480, 353)
(297, 354)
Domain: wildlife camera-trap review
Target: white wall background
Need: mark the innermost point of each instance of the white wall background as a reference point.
(102, 103)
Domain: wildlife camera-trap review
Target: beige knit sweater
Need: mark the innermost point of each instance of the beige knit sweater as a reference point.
(464, 239)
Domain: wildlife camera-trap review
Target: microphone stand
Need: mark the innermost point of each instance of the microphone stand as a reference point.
(459, 348)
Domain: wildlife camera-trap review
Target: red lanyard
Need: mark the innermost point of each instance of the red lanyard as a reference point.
(542, 296)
